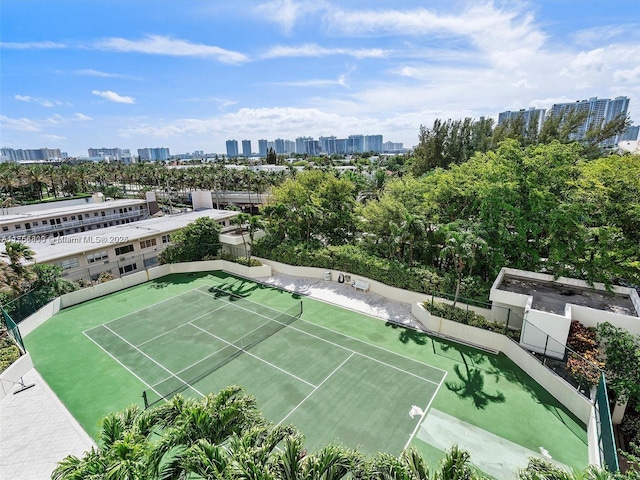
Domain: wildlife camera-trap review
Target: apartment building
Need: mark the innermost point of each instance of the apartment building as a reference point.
(126, 248)
(56, 222)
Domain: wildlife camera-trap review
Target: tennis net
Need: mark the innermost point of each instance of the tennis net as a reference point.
(184, 379)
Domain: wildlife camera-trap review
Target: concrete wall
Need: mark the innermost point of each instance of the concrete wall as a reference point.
(556, 386)
(379, 288)
(117, 284)
(545, 333)
(14, 373)
(590, 317)
(36, 319)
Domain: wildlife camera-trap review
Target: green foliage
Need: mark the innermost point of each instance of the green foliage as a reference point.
(315, 205)
(249, 262)
(352, 259)
(622, 361)
(466, 317)
(9, 352)
(197, 241)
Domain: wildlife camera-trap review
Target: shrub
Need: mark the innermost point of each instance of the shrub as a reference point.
(9, 353)
(467, 317)
(351, 259)
(249, 262)
(583, 365)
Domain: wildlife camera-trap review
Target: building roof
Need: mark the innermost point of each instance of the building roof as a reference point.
(551, 296)
(53, 249)
(74, 209)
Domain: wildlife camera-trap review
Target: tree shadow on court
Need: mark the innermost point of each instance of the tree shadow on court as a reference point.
(408, 334)
(281, 291)
(471, 385)
(504, 369)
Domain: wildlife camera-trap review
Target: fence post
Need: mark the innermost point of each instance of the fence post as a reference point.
(506, 326)
(544, 358)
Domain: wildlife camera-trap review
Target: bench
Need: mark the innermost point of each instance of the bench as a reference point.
(360, 285)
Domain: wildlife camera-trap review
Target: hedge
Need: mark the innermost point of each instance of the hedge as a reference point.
(351, 259)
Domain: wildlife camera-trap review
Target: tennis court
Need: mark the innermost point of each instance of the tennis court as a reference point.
(332, 386)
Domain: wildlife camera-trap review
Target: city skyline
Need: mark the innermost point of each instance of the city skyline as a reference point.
(191, 75)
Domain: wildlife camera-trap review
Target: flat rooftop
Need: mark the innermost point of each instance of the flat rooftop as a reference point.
(52, 249)
(73, 209)
(552, 297)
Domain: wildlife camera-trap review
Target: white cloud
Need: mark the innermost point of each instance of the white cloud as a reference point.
(160, 45)
(287, 13)
(54, 137)
(31, 45)
(314, 50)
(80, 117)
(97, 73)
(21, 124)
(113, 96)
(604, 33)
(41, 101)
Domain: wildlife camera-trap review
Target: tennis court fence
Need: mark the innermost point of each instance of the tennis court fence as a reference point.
(183, 380)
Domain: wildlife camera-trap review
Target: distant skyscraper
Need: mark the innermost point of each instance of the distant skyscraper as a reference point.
(328, 145)
(119, 154)
(528, 116)
(599, 110)
(154, 154)
(232, 148)
(357, 143)
(631, 134)
(373, 143)
(262, 148)
(246, 148)
(279, 143)
(30, 154)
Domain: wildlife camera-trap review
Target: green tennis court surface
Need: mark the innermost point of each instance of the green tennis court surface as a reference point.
(334, 373)
(331, 386)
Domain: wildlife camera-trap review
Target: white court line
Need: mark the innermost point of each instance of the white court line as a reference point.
(182, 325)
(343, 347)
(316, 388)
(143, 308)
(256, 357)
(425, 412)
(171, 374)
(121, 364)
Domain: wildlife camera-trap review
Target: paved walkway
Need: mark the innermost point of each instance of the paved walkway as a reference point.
(37, 431)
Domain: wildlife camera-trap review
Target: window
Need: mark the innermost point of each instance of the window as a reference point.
(166, 238)
(35, 224)
(64, 219)
(103, 213)
(18, 226)
(150, 262)
(148, 243)
(67, 264)
(45, 222)
(95, 214)
(124, 249)
(86, 215)
(73, 217)
(5, 229)
(96, 257)
(128, 268)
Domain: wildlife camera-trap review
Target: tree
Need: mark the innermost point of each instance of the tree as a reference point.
(622, 361)
(250, 223)
(197, 241)
(461, 247)
(16, 252)
(272, 158)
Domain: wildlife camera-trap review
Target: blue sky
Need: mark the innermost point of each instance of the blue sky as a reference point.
(191, 74)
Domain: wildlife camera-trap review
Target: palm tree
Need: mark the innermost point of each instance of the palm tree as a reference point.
(461, 247)
(16, 252)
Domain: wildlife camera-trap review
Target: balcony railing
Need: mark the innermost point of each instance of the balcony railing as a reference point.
(44, 229)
